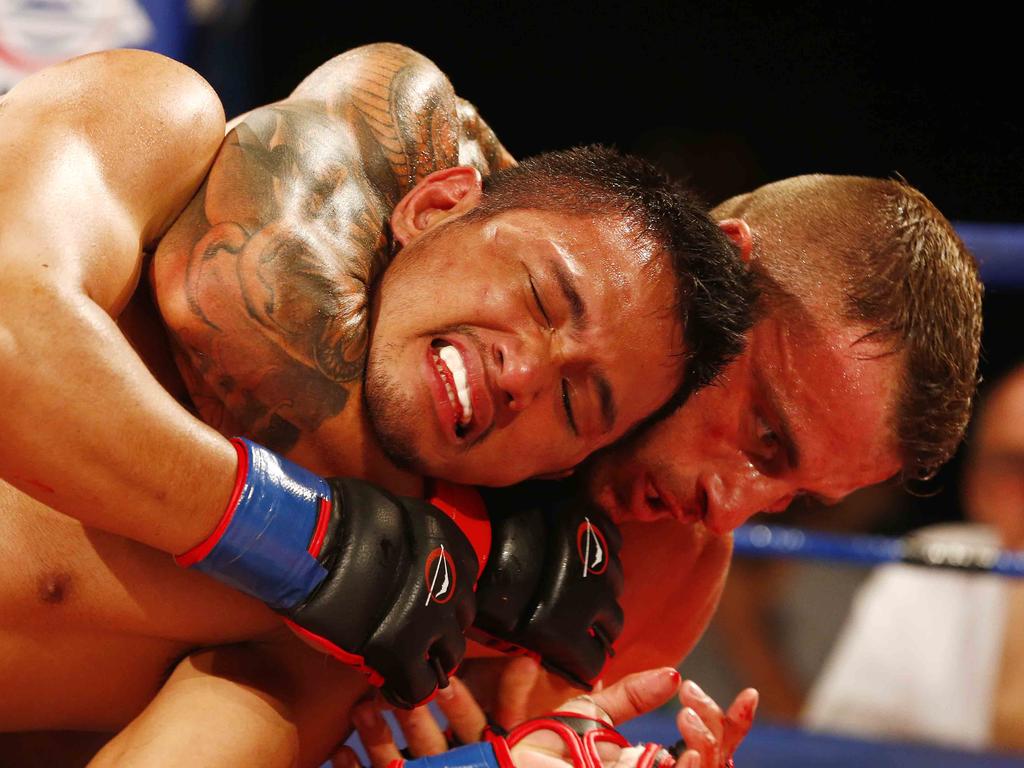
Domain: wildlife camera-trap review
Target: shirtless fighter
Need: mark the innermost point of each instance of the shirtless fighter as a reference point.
(862, 366)
(572, 341)
(796, 388)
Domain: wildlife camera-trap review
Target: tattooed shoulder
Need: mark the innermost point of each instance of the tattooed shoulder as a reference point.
(282, 247)
(401, 107)
(277, 257)
(478, 144)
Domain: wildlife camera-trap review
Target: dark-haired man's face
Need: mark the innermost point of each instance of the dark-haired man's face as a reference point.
(805, 410)
(515, 346)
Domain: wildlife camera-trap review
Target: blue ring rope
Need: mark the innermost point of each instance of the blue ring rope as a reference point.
(795, 543)
(999, 249)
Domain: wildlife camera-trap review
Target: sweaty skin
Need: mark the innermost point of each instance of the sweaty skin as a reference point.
(806, 409)
(305, 188)
(92, 624)
(265, 284)
(100, 634)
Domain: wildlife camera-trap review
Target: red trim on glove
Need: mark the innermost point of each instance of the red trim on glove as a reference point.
(466, 508)
(203, 548)
(323, 644)
(500, 644)
(351, 659)
(323, 517)
(577, 752)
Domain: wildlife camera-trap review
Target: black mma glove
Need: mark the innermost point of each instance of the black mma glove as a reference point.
(552, 582)
(381, 582)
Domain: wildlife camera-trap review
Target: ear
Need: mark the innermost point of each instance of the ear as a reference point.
(738, 231)
(440, 196)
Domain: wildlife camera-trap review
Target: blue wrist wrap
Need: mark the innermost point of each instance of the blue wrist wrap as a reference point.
(264, 550)
(477, 755)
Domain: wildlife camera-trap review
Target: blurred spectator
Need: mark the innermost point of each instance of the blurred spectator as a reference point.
(778, 619)
(206, 34)
(939, 656)
(37, 33)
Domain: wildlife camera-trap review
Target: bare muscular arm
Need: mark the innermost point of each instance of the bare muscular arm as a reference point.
(99, 155)
(268, 704)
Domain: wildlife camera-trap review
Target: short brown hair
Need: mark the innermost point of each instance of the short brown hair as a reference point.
(901, 271)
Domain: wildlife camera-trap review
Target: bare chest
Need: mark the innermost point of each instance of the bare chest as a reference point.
(90, 623)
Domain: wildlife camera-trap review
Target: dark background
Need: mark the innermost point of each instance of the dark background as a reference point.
(732, 94)
(727, 95)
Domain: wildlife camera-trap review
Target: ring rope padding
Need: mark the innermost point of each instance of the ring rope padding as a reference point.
(800, 544)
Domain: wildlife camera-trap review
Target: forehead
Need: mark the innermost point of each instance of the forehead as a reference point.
(836, 394)
(597, 242)
(626, 280)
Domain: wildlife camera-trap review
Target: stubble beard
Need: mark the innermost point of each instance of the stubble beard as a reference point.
(390, 415)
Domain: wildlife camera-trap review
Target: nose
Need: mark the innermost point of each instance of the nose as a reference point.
(525, 369)
(734, 497)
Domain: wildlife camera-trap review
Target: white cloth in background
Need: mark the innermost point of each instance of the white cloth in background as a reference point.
(919, 655)
(36, 34)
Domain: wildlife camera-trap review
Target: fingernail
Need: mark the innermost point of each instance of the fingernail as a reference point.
(671, 674)
(691, 714)
(695, 690)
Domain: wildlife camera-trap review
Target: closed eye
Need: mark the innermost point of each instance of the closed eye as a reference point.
(567, 405)
(540, 304)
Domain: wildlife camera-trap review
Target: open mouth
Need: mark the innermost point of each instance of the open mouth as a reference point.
(451, 368)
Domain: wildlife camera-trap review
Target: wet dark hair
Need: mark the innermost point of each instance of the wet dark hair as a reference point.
(715, 291)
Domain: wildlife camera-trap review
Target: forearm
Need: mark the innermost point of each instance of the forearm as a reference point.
(273, 704)
(90, 432)
(201, 718)
(745, 623)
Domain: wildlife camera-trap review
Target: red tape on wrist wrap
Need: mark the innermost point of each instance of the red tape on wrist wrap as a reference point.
(202, 549)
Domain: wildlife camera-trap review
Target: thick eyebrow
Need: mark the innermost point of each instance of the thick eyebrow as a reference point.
(567, 283)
